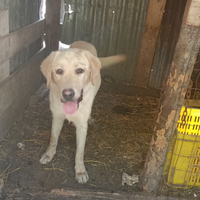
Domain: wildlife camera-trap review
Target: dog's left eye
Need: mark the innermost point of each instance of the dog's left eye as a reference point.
(79, 71)
(59, 71)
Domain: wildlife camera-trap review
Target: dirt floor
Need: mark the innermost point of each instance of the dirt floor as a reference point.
(117, 142)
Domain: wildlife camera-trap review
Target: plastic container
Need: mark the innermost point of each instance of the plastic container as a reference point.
(183, 159)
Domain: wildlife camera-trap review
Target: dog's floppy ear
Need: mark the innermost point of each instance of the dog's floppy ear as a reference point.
(95, 66)
(46, 67)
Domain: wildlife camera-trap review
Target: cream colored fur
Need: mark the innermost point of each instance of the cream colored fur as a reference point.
(80, 55)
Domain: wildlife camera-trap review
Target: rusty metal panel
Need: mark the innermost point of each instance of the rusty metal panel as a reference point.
(21, 14)
(114, 26)
(168, 37)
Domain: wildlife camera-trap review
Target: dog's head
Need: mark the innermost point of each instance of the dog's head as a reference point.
(68, 72)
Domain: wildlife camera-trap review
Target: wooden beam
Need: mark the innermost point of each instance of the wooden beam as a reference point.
(4, 30)
(17, 89)
(52, 25)
(130, 90)
(149, 41)
(14, 42)
(193, 15)
(95, 194)
(170, 104)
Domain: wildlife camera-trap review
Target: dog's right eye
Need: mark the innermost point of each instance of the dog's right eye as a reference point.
(59, 71)
(79, 71)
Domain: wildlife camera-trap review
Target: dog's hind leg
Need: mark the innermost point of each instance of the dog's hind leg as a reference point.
(57, 124)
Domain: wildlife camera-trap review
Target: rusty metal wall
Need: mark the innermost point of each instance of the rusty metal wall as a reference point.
(21, 14)
(114, 26)
(168, 37)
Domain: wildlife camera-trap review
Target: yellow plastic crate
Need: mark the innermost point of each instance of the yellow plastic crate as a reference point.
(183, 159)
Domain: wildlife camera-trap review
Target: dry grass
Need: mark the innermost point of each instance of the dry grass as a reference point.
(117, 142)
(119, 136)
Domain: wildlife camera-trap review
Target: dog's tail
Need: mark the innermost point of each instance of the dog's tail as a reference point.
(112, 60)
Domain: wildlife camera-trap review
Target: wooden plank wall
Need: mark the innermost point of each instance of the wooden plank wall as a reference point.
(18, 40)
(21, 14)
(16, 88)
(16, 91)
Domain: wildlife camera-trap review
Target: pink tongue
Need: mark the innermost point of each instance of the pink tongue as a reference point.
(70, 107)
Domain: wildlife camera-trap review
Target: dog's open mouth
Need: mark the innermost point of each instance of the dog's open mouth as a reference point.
(70, 107)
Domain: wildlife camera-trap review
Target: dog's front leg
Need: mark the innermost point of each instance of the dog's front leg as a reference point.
(57, 124)
(81, 133)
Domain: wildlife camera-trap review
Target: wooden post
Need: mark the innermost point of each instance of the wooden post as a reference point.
(52, 25)
(172, 99)
(149, 41)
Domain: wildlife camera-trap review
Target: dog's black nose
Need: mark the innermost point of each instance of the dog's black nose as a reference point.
(68, 94)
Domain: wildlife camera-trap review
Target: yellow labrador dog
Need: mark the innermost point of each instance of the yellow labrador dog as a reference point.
(73, 76)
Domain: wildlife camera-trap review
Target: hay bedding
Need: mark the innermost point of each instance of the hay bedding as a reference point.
(117, 142)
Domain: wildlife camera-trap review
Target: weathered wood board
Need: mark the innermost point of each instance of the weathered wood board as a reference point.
(77, 194)
(18, 40)
(4, 24)
(193, 15)
(17, 89)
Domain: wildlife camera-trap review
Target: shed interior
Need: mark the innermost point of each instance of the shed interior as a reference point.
(124, 111)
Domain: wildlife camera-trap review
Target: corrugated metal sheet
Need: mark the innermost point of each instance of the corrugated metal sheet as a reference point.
(168, 37)
(21, 14)
(114, 26)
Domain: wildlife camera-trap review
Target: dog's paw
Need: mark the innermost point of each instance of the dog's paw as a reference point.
(46, 157)
(82, 177)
